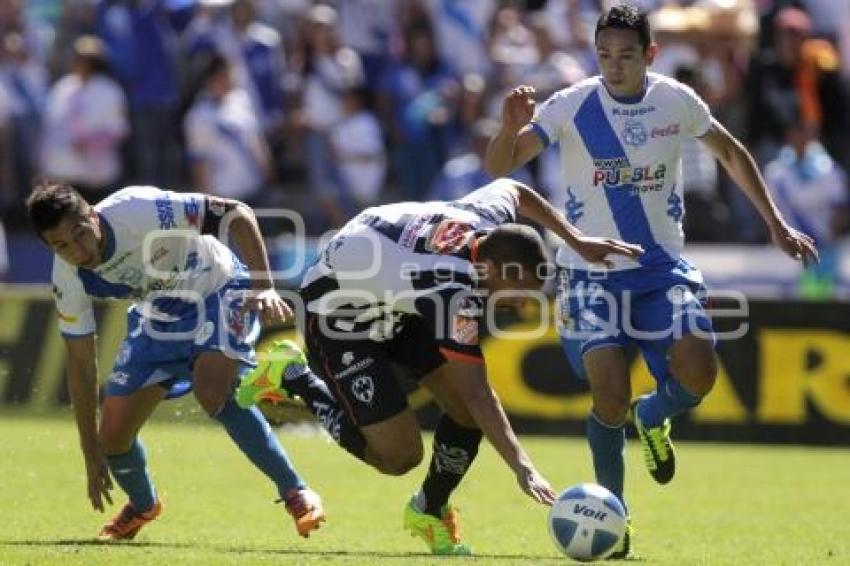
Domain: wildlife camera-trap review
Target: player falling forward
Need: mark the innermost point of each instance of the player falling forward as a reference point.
(407, 283)
(620, 139)
(192, 325)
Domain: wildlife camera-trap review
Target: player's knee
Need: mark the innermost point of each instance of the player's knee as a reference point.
(400, 463)
(699, 378)
(611, 409)
(211, 400)
(113, 443)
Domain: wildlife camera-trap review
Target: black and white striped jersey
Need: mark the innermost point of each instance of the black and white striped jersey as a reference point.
(409, 259)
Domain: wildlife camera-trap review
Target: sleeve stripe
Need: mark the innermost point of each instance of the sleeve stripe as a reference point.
(459, 357)
(541, 133)
(69, 336)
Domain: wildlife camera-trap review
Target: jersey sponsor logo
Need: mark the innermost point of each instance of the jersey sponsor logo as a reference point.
(448, 237)
(632, 112)
(411, 230)
(363, 389)
(192, 212)
(465, 330)
(634, 134)
(625, 174)
(664, 131)
(165, 213)
(159, 254)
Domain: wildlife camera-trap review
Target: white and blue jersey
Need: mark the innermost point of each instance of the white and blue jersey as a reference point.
(621, 163)
(185, 286)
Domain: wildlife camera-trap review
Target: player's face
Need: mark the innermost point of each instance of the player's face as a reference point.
(77, 240)
(623, 61)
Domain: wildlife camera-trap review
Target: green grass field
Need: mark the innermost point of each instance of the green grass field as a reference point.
(728, 504)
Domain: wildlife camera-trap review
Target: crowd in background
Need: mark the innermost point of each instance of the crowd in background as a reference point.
(326, 108)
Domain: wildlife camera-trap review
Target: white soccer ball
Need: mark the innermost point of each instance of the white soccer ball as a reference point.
(587, 522)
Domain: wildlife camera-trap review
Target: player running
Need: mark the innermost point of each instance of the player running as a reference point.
(192, 325)
(620, 138)
(408, 283)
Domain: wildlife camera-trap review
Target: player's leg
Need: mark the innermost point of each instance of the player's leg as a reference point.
(121, 418)
(679, 350)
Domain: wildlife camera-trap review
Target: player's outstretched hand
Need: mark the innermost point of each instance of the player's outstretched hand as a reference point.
(271, 309)
(795, 243)
(596, 250)
(536, 486)
(99, 482)
(518, 108)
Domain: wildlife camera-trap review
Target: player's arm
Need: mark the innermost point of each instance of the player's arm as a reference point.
(516, 143)
(741, 166)
(83, 389)
(469, 383)
(242, 229)
(535, 208)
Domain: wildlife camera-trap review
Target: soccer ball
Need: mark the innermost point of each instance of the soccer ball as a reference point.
(587, 522)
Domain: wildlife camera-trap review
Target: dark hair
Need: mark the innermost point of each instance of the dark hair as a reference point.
(514, 244)
(626, 16)
(51, 202)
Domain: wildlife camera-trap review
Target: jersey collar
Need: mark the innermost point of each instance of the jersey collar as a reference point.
(634, 99)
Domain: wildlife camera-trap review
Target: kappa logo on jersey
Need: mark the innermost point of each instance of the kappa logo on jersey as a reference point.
(192, 212)
(632, 112)
(217, 206)
(448, 237)
(353, 367)
(634, 133)
(347, 358)
(363, 388)
(119, 378)
(465, 330)
(124, 353)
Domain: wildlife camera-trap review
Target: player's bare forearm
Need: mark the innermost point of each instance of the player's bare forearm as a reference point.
(742, 168)
(499, 160)
(82, 388)
(535, 208)
(246, 237)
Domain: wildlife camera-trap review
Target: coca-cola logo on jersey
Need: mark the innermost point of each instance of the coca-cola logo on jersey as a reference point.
(664, 131)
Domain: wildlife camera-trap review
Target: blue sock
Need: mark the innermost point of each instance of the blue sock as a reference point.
(606, 445)
(131, 472)
(250, 431)
(668, 400)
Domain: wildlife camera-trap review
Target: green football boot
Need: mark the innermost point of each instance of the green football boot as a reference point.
(658, 452)
(441, 535)
(266, 382)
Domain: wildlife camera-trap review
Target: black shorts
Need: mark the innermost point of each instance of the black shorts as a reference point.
(360, 373)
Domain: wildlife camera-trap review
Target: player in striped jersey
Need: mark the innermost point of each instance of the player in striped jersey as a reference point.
(620, 138)
(409, 283)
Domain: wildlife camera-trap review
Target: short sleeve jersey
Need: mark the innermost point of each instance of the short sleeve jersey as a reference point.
(410, 258)
(155, 255)
(621, 163)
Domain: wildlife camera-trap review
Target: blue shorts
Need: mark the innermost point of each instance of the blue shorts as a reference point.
(162, 353)
(649, 307)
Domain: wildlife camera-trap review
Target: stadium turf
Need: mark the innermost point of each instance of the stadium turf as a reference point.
(729, 504)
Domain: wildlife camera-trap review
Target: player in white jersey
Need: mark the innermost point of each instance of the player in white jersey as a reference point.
(192, 325)
(620, 138)
(408, 284)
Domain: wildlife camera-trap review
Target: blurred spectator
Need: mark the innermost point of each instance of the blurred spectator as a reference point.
(84, 123)
(554, 68)
(76, 18)
(798, 68)
(417, 100)
(358, 148)
(137, 35)
(25, 82)
(228, 153)
(461, 28)
(365, 26)
(464, 173)
(513, 48)
(809, 187)
(8, 181)
(811, 191)
(253, 49)
(328, 71)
